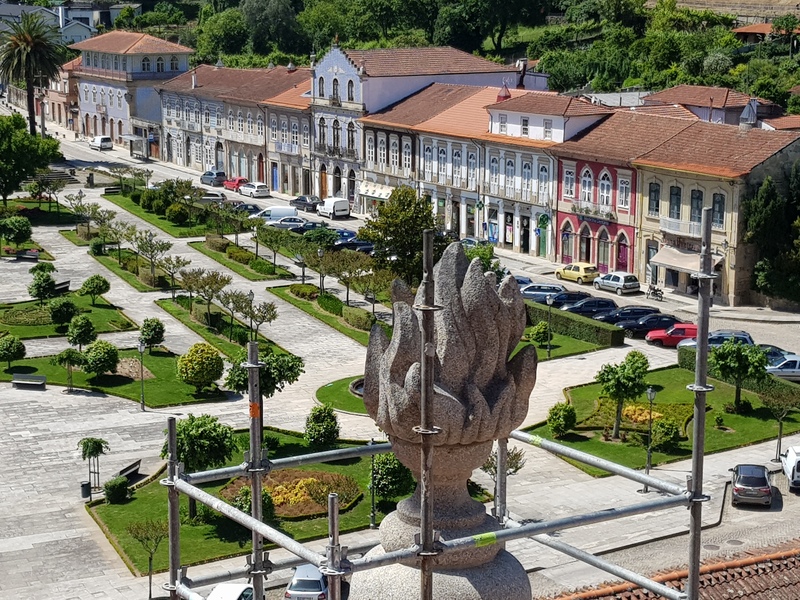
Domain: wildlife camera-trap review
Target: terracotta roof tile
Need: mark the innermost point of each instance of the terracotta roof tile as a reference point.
(298, 96)
(128, 42)
(714, 149)
(423, 105)
(785, 122)
(664, 110)
(401, 62)
(762, 28)
(249, 85)
(549, 103)
(73, 64)
(700, 95)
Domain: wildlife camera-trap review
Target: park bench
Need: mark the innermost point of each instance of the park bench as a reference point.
(113, 189)
(131, 470)
(28, 255)
(20, 379)
(62, 287)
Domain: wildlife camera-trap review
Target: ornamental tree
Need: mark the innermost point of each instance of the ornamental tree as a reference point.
(737, 362)
(279, 370)
(42, 287)
(68, 359)
(95, 286)
(623, 382)
(322, 426)
(11, 348)
(81, 331)
(62, 310)
(152, 332)
(42, 267)
(781, 400)
(200, 366)
(209, 286)
(101, 357)
(172, 265)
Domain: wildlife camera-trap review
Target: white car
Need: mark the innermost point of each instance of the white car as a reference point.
(307, 584)
(254, 189)
(287, 222)
(232, 591)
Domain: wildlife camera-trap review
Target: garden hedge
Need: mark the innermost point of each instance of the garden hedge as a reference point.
(770, 384)
(577, 326)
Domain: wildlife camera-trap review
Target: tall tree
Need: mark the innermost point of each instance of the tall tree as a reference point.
(273, 238)
(81, 331)
(350, 267)
(736, 363)
(149, 533)
(623, 382)
(222, 33)
(209, 286)
(96, 285)
(151, 248)
(68, 359)
(11, 349)
(191, 278)
(231, 300)
(172, 265)
(31, 51)
(767, 220)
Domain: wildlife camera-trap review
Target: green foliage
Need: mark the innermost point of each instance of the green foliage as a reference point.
(240, 255)
(177, 213)
(488, 263)
(624, 382)
(666, 435)
(515, 460)
(306, 291)
(203, 443)
(96, 247)
(152, 332)
(42, 287)
(200, 366)
(737, 362)
(11, 349)
(81, 331)
(92, 447)
(96, 285)
(322, 236)
(16, 230)
(101, 357)
(392, 478)
(62, 310)
(330, 303)
(259, 265)
(540, 334)
(217, 242)
(561, 419)
(279, 370)
(243, 501)
(322, 427)
(42, 267)
(577, 326)
(222, 33)
(358, 317)
(116, 490)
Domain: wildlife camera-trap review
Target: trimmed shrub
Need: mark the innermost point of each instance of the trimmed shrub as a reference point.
(96, 247)
(270, 442)
(160, 206)
(330, 303)
(577, 326)
(62, 310)
(322, 426)
(561, 419)
(358, 317)
(306, 291)
(540, 334)
(147, 199)
(200, 366)
(116, 490)
(240, 255)
(177, 213)
(392, 478)
(136, 196)
(101, 357)
(666, 435)
(129, 264)
(259, 265)
(243, 501)
(217, 243)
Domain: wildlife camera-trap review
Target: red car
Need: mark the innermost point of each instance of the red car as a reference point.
(672, 335)
(235, 183)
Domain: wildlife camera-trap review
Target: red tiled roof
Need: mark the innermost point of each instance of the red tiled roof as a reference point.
(665, 110)
(128, 42)
(71, 65)
(549, 103)
(249, 85)
(295, 97)
(700, 95)
(402, 62)
(794, 90)
(784, 122)
(423, 105)
(762, 28)
(715, 149)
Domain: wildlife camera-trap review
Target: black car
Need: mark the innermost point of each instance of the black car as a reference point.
(249, 208)
(626, 313)
(590, 306)
(646, 324)
(563, 298)
(355, 244)
(308, 226)
(306, 203)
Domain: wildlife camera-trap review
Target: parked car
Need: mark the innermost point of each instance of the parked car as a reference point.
(538, 292)
(232, 591)
(101, 142)
(212, 197)
(562, 298)
(522, 281)
(719, 337)
(307, 584)
(309, 226)
(774, 354)
(254, 189)
(626, 313)
(790, 463)
(333, 208)
(287, 222)
(273, 213)
(579, 272)
(345, 234)
(618, 281)
(354, 244)
(750, 485)
(672, 336)
(306, 203)
(234, 183)
(213, 178)
(471, 242)
(647, 323)
(588, 307)
(250, 208)
(788, 368)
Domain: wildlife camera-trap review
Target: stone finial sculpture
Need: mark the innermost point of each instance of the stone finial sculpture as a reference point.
(479, 396)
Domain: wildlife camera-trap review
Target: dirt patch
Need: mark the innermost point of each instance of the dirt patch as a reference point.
(131, 367)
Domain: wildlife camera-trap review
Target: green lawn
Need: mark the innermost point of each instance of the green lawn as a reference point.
(337, 394)
(237, 267)
(73, 237)
(221, 538)
(44, 213)
(29, 245)
(158, 221)
(164, 389)
(673, 401)
(560, 346)
(29, 319)
(110, 261)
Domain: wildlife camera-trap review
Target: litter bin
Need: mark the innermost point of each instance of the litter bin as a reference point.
(86, 489)
(72, 172)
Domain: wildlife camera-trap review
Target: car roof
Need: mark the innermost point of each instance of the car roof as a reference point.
(307, 572)
(786, 357)
(728, 332)
(751, 469)
(620, 273)
(581, 264)
(228, 591)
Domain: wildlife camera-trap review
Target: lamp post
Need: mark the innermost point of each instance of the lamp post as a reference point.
(320, 254)
(250, 297)
(141, 373)
(549, 321)
(651, 395)
(372, 524)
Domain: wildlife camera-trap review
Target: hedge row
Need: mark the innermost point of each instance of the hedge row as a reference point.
(577, 326)
(358, 317)
(770, 385)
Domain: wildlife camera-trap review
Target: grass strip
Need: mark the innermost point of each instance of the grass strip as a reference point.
(162, 223)
(337, 394)
(234, 266)
(73, 237)
(112, 265)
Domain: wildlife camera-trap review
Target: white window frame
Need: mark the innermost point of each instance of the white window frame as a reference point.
(407, 158)
(494, 175)
(569, 182)
(547, 129)
(624, 193)
(544, 184)
(370, 151)
(457, 167)
(510, 175)
(503, 121)
(306, 135)
(604, 189)
(442, 164)
(428, 162)
(587, 185)
(527, 180)
(472, 170)
(525, 128)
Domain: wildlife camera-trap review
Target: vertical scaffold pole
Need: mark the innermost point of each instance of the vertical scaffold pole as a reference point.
(174, 511)
(255, 468)
(501, 478)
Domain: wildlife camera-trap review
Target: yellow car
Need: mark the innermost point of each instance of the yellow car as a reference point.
(579, 272)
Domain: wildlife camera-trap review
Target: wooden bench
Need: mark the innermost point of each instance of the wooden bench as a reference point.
(131, 470)
(20, 379)
(27, 255)
(62, 287)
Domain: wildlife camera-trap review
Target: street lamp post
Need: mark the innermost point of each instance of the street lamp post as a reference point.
(250, 297)
(141, 373)
(549, 322)
(651, 395)
(372, 524)
(320, 254)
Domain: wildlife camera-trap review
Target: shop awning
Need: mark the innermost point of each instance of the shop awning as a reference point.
(131, 138)
(682, 260)
(377, 191)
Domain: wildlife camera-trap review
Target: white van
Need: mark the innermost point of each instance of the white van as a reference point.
(790, 461)
(273, 213)
(101, 142)
(334, 207)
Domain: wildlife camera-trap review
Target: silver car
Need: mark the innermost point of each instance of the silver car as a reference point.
(307, 584)
(618, 281)
(719, 337)
(788, 368)
(750, 485)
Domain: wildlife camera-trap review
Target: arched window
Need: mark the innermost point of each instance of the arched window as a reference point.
(335, 89)
(586, 186)
(428, 158)
(240, 123)
(510, 173)
(306, 135)
(654, 199)
(173, 63)
(160, 64)
(544, 180)
(494, 175)
(350, 91)
(197, 114)
(603, 251)
(321, 87)
(351, 136)
(382, 152)
(527, 183)
(442, 165)
(566, 243)
(273, 130)
(457, 168)
(718, 211)
(284, 132)
(145, 64)
(94, 95)
(230, 120)
(337, 131)
(322, 134)
(472, 170)
(605, 190)
(394, 156)
(250, 123)
(218, 119)
(116, 62)
(186, 116)
(295, 134)
(370, 150)
(260, 126)
(407, 158)
(207, 117)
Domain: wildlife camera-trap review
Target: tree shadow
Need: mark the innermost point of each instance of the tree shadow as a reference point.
(110, 381)
(21, 370)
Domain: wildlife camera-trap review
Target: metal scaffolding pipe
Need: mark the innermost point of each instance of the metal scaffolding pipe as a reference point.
(333, 551)
(626, 574)
(254, 468)
(216, 474)
(501, 479)
(238, 516)
(173, 507)
(329, 455)
(404, 555)
(601, 463)
(187, 594)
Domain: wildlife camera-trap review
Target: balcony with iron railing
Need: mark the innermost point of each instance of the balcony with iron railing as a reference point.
(680, 227)
(287, 148)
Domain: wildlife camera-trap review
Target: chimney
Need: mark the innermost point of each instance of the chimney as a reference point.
(503, 94)
(749, 116)
(522, 68)
(361, 67)
(194, 80)
(290, 67)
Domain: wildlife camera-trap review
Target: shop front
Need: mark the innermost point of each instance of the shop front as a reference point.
(604, 243)
(371, 195)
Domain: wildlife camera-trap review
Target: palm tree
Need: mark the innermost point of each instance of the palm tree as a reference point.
(31, 51)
